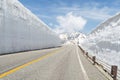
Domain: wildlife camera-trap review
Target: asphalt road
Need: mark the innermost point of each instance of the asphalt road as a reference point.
(63, 63)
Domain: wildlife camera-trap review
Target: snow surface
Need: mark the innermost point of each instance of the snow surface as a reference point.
(21, 30)
(104, 41)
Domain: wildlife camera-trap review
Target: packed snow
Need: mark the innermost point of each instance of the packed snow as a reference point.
(21, 30)
(104, 41)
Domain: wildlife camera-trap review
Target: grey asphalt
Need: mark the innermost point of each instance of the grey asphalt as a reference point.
(66, 64)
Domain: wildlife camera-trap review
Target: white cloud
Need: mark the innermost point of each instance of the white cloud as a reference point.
(89, 10)
(70, 23)
(93, 13)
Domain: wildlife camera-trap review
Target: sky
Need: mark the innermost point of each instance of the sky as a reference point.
(73, 15)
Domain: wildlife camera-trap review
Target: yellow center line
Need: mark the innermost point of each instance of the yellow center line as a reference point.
(27, 64)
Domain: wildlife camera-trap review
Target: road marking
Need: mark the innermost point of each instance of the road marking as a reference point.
(81, 65)
(27, 64)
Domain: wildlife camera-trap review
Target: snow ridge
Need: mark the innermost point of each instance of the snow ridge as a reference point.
(104, 41)
(21, 30)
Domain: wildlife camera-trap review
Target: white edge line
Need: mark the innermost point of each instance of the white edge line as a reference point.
(81, 65)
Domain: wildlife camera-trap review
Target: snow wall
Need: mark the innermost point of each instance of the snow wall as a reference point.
(104, 41)
(21, 30)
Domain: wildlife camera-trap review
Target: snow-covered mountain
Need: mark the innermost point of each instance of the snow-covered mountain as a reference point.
(111, 22)
(74, 37)
(104, 41)
(21, 30)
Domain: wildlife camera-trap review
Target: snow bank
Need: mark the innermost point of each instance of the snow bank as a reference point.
(21, 30)
(104, 41)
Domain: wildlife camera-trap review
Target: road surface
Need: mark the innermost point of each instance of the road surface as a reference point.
(63, 63)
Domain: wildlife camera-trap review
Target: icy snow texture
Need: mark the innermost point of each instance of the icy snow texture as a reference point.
(104, 41)
(21, 30)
